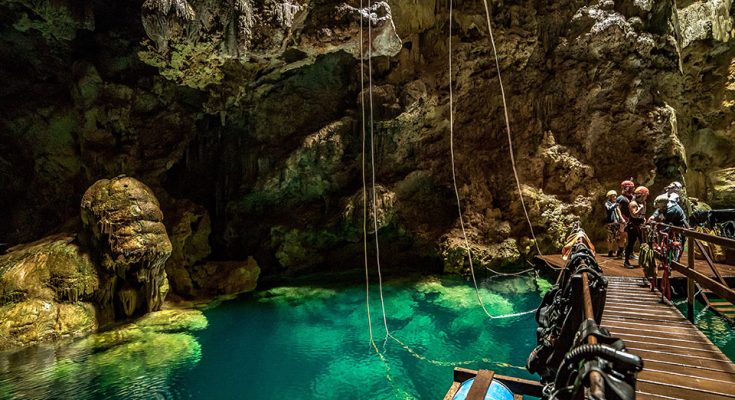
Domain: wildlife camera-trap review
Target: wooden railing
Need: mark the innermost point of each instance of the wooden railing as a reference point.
(717, 286)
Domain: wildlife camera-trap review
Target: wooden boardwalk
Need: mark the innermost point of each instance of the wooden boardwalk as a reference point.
(680, 362)
(612, 266)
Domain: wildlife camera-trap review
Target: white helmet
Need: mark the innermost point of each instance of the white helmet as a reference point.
(674, 187)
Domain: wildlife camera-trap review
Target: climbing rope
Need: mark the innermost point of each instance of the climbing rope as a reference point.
(372, 166)
(364, 183)
(507, 125)
(525, 271)
(440, 363)
(454, 178)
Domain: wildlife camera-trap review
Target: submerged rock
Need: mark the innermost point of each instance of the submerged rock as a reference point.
(124, 225)
(215, 278)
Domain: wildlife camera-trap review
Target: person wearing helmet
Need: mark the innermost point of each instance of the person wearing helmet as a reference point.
(626, 195)
(637, 208)
(614, 224)
(676, 192)
(669, 212)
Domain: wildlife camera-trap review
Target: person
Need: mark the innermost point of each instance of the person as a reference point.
(669, 212)
(637, 208)
(614, 224)
(626, 194)
(675, 191)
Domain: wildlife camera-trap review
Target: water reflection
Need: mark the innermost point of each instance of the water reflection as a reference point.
(132, 362)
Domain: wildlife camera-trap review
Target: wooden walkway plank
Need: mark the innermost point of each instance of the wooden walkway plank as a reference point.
(680, 362)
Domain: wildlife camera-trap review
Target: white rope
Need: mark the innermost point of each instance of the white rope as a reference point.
(441, 363)
(680, 302)
(525, 271)
(700, 314)
(454, 183)
(507, 125)
(364, 183)
(372, 165)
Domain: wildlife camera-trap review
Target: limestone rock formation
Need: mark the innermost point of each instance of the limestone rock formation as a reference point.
(46, 292)
(189, 235)
(215, 278)
(254, 110)
(125, 229)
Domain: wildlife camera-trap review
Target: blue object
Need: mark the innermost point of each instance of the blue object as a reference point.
(496, 391)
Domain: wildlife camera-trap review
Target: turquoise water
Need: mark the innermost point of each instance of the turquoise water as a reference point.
(717, 329)
(299, 343)
(302, 343)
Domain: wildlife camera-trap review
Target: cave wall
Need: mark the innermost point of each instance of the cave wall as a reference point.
(251, 110)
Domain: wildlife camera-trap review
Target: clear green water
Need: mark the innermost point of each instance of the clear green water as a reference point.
(302, 343)
(298, 343)
(717, 329)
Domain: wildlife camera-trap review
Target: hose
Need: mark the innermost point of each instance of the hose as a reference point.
(607, 352)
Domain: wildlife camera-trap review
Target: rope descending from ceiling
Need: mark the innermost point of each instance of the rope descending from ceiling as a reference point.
(507, 127)
(454, 175)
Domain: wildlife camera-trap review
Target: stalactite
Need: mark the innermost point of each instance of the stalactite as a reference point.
(129, 300)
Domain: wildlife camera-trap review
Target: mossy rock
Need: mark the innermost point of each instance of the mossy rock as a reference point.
(495, 255)
(723, 195)
(216, 278)
(53, 269)
(35, 321)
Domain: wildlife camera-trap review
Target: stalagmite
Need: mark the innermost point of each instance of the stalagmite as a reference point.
(125, 228)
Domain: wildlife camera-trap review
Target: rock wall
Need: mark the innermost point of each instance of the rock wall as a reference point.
(251, 110)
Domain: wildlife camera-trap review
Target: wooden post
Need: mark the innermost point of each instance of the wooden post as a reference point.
(597, 382)
(690, 281)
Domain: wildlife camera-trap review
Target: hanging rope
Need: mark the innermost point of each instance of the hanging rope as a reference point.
(364, 183)
(454, 181)
(525, 271)
(372, 166)
(507, 126)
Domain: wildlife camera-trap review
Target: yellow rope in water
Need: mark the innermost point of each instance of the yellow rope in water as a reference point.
(421, 357)
(507, 127)
(364, 184)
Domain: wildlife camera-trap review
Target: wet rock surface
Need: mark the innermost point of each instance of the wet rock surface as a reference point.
(47, 292)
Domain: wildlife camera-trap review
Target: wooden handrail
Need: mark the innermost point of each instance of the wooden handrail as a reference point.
(718, 240)
(705, 281)
(695, 236)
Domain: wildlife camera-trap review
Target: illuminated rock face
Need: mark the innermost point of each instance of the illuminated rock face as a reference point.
(124, 226)
(252, 110)
(47, 290)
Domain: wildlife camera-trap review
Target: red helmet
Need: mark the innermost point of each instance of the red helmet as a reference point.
(627, 184)
(641, 191)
